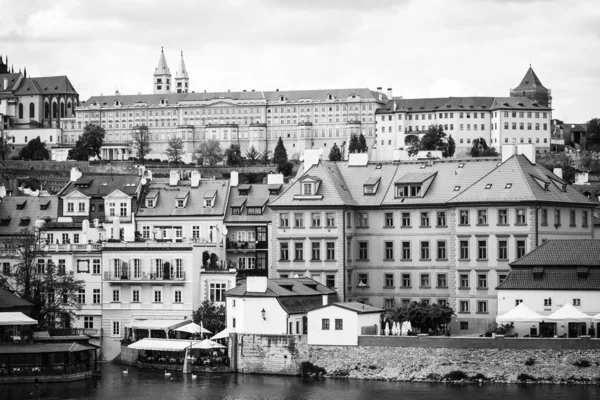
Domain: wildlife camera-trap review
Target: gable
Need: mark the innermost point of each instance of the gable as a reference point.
(76, 194)
(117, 194)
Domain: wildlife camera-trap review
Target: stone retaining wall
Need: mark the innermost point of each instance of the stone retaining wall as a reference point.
(128, 356)
(269, 354)
(46, 378)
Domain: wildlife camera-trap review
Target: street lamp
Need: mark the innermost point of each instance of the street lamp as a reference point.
(264, 314)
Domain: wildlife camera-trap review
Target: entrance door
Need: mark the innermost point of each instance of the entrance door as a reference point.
(547, 329)
(576, 329)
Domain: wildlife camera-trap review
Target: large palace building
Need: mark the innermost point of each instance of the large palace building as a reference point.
(307, 119)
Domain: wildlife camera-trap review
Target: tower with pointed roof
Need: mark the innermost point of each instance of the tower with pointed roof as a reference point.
(531, 87)
(182, 80)
(162, 76)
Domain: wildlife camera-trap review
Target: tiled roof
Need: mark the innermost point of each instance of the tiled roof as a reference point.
(32, 210)
(295, 305)
(103, 185)
(465, 104)
(512, 103)
(415, 177)
(288, 287)
(131, 99)
(530, 81)
(552, 278)
(46, 348)
(256, 197)
(12, 80)
(165, 205)
(9, 300)
(359, 308)
(45, 85)
(241, 96)
(357, 177)
(520, 173)
(563, 252)
(319, 94)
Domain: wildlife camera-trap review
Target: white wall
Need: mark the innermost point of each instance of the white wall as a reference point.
(348, 336)
(248, 318)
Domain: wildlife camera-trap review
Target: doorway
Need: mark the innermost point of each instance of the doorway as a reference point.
(577, 329)
(547, 329)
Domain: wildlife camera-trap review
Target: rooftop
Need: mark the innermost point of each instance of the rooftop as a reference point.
(21, 213)
(288, 287)
(562, 253)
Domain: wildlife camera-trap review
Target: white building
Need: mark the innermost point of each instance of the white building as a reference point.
(340, 324)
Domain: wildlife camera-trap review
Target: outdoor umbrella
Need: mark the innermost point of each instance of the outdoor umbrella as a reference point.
(192, 328)
(224, 334)
(208, 344)
(569, 313)
(520, 313)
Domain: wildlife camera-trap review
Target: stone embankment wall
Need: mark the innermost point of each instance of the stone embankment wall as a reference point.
(128, 356)
(431, 364)
(269, 354)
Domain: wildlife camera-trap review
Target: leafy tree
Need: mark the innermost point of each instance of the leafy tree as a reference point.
(92, 139)
(265, 157)
(52, 291)
(354, 144)
(481, 149)
(450, 148)
(285, 168)
(175, 150)
(424, 316)
(588, 162)
(335, 154)
(34, 150)
(592, 135)
(211, 316)
(362, 144)
(280, 154)
(564, 162)
(140, 142)
(252, 155)
(413, 144)
(79, 152)
(5, 146)
(233, 155)
(209, 151)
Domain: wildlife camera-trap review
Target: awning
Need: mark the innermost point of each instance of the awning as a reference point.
(569, 313)
(160, 324)
(224, 334)
(16, 318)
(162, 344)
(208, 344)
(520, 313)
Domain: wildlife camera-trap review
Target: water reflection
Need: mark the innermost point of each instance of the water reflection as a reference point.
(148, 385)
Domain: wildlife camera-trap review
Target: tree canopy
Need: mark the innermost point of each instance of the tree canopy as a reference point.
(209, 152)
(433, 140)
(481, 149)
(358, 144)
(233, 155)
(5, 146)
(335, 154)
(592, 135)
(424, 316)
(175, 150)
(280, 154)
(89, 143)
(211, 316)
(140, 142)
(252, 155)
(34, 150)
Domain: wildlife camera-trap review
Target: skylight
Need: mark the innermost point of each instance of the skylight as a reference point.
(461, 165)
(508, 186)
(456, 188)
(488, 186)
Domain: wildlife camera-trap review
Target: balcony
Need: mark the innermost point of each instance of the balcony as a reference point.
(74, 247)
(241, 247)
(75, 332)
(143, 276)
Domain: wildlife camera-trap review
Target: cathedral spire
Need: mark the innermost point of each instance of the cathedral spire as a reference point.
(182, 79)
(162, 75)
(162, 67)
(181, 72)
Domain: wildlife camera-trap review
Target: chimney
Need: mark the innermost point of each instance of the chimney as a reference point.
(173, 178)
(528, 150)
(581, 178)
(274, 179)
(325, 299)
(256, 284)
(117, 93)
(75, 174)
(389, 93)
(5, 85)
(195, 178)
(311, 157)
(234, 179)
(2, 192)
(508, 150)
(394, 106)
(558, 172)
(379, 89)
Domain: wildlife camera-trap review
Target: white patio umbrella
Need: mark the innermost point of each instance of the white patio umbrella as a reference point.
(569, 313)
(596, 317)
(394, 330)
(521, 313)
(224, 334)
(192, 328)
(208, 344)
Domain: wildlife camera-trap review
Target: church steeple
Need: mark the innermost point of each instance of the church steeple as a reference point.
(531, 87)
(162, 75)
(182, 80)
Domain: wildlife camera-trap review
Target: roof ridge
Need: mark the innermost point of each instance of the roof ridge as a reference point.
(339, 176)
(517, 159)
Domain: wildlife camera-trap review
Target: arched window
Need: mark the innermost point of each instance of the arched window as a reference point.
(20, 111)
(62, 110)
(31, 110)
(46, 110)
(54, 110)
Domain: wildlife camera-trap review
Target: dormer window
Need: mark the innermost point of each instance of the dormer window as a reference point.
(209, 198)
(150, 203)
(5, 221)
(274, 189)
(236, 210)
(582, 272)
(44, 206)
(308, 189)
(21, 206)
(24, 221)
(243, 190)
(538, 273)
(254, 210)
(408, 191)
(208, 203)
(371, 185)
(180, 203)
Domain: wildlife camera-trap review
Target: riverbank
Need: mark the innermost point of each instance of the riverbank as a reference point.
(410, 364)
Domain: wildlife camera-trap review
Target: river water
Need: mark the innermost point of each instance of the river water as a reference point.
(147, 385)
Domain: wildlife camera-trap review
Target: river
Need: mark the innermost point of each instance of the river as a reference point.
(148, 385)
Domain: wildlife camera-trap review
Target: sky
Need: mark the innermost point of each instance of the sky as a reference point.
(419, 48)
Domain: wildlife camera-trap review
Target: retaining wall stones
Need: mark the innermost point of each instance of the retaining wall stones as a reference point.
(270, 354)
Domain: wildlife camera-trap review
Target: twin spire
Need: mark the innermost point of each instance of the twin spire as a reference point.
(162, 76)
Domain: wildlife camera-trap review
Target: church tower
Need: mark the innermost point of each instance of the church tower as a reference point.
(162, 76)
(182, 80)
(531, 87)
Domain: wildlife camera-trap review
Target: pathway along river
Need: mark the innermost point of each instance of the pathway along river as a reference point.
(148, 385)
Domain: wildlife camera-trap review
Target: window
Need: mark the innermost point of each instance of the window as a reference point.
(406, 219)
(135, 295)
(464, 217)
(71, 207)
(441, 250)
(348, 220)
(482, 307)
(81, 207)
(316, 220)
(425, 251)
(441, 218)
(442, 280)
(88, 322)
(464, 306)
(556, 217)
(116, 295)
(111, 209)
(96, 296)
(425, 283)
(316, 251)
(124, 209)
(388, 304)
(389, 220)
(363, 251)
(481, 217)
(405, 280)
(363, 280)
(544, 216)
(81, 296)
(464, 249)
(5, 268)
(283, 251)
(548, 302)
(503, 217)
(520, 248)
(330, 219)
(389, 250)
(217, 292)
(298, 220)
(482, 249)
(325, 324)
(464, 325)
(307, 188)
(158, 295)
(521, 216)
(363, 220)
(502, 250)
(464, 281)
(330, 281)
(577, 302)
(389, 280)
(482, 281)
(501, 277)
(298, 251)
(518, 301)
(424, 219)
(572, 218)
(339, 324)
(284, 221)
(116, 328)
(406, 250)
(62, 267)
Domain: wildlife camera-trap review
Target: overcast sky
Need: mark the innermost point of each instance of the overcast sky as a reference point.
(419, 48)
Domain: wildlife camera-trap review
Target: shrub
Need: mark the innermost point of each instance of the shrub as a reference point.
(582, 363)
(525, 378)
(479, 376)
(530, 361)
(456, 376)
(432, 376)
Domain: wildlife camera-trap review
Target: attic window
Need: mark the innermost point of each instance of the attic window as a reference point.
(180, 203)
(423, 166)
(505, 104)
(44, 206)
(520, 104)
(408, 191)
(538, 273)
(149, 203)
(508, 186)
(488, 186)
(236, 210)
(243, 190)
(582, 272)
(461, 165)
(378, 166)
(21, 206)
(456, 188)
(24, 221)
(543, 184)
(254, 210)
(4, 221)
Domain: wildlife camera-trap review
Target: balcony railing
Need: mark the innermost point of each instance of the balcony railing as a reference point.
(241, 245)
(143, 276)
(74, 247)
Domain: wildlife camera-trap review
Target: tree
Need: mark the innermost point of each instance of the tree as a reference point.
(423, 316)
(434, 139)
(343, 150)
(286, 168)
(92, 139)
(280, 154)
(211, 316)
(79, 152)
(413, 144)
(481, 149)
(588, 162)
(5, 147)
(354, 144)
(450, 148)
(34, 150)
(140, 142)
(592, 135)
(175, 150)
(209, 151)
(53, 292)
(335, 154)
(233, 155)
(564, 162)
(362, 144)
(265, 157)
(252, 155)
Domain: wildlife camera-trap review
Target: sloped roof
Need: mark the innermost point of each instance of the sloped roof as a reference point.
(530, 81)
(102, 185)
(563, 252)
(165, 205)
(517, 103)
(319, 94)
(162, 67)
(45, 85)
(46, 348)
(242, 96)
(553, 278)
(457, 104)
(31, 210)
(284, 287)
(12, 80)
(359, 308)
(258, 196)
(520, 173)
(131, 99)
(295, 305)
(182, 71)
(9, 300)
(357, 177)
